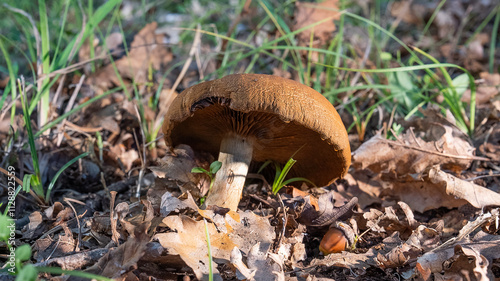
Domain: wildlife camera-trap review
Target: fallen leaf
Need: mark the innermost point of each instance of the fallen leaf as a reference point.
(398, 169)
(327, 213)
(178, 164)
(413, 13)
(147, 49)
(482, 244)
(486, 90)
(188, 239)
(308, 13)
(124, 258)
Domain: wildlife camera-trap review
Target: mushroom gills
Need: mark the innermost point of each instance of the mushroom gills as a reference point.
(235, 155)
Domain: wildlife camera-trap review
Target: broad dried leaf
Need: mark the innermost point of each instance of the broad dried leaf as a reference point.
(482, 248)
(147, 49)
(413, 13)
(396, 168)
(178, 164)
(266, 265)
(189, 240)
(476, 195)
(309, 13)
(412, 154)
(123, 259)
(327, 213)
(170, 203)
(348, 260)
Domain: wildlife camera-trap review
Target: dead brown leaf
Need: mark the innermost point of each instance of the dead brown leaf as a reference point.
(123, 259)
(482, 249)
(485, 91)
(476, 195)
(147, 49)
(189, 240)
(413, 13)
(396, 169)
(307, 14)
(177, 165)
(414, 152)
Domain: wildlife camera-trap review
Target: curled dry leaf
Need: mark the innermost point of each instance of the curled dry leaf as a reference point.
(266, 265)
(412, 154)
(147, 49)
(327, 213)
(476, 195)
(308, 13)
(243, 271)
(124, 258)
(177, 166)
(413, 13)
(188, 238)
(170, 203)
(488, 89)
(389, 222)
(397, 167)
(482, 247)
(348, 260)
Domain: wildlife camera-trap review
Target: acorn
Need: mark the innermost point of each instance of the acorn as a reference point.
(338, 238)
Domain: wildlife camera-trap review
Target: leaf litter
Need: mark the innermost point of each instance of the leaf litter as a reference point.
(422, 205)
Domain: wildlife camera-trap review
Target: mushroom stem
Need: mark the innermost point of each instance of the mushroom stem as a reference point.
(235, 155)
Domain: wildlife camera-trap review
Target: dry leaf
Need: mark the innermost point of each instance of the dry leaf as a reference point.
(442, 258)
(348, 260)
(309, 13)
(124, 258)
(413, 13)
(412, 154)
(476, 195)
(189, 240)
(327, 213)
(147, 49)
(485, 91)
(395, 169)
(178, 164)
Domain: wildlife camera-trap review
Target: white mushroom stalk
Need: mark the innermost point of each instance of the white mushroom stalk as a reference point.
(235, 155)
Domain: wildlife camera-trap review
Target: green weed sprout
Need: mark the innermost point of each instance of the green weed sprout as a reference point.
(209, 247)
(214, 167)
(279, 178)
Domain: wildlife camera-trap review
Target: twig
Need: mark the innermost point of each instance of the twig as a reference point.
(192, 52)
(284, 221)
(78, 242)
(230, 31)
(478, 158)
(71, 102)
(142, 156)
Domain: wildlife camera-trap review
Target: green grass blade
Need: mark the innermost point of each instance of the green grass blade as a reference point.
(207, 236)
(61, 32)
(100, 14)
(43, 90)
(55, 270)
(54, 179)
(36, 179)
(289, 181)
(12, 81)
(282, 174)
(65, 115)
(493, 42)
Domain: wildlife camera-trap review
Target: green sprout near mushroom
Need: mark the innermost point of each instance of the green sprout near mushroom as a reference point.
(214, 167)
(280, 174)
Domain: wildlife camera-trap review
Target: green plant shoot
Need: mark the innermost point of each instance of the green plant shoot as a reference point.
(214, 168)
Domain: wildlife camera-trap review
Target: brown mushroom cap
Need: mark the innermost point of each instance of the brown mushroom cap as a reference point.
(280, 116)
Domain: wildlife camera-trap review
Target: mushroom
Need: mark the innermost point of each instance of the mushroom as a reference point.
(254, 117)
